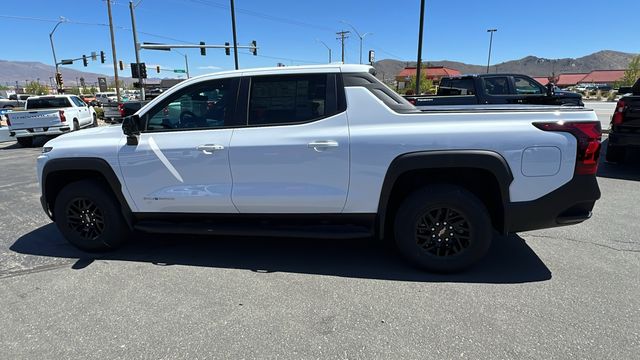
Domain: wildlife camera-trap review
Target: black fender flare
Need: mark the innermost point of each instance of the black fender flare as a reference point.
(474, 159)
(89, 164)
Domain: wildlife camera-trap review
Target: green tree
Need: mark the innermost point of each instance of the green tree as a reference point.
(426, 85)
(632, 73)
(36, 88)
(93, 90)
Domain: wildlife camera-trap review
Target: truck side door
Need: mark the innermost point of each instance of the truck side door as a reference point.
(497, 90)
(528, 91)
(293, 155)
(181, 161)
(84, 114)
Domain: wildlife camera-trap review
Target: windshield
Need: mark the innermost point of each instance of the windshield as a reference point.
(48, 103)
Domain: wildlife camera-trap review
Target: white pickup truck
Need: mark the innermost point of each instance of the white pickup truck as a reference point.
(323, 152)
(50, 115)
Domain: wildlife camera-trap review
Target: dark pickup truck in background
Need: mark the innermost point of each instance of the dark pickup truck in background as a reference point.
(495, 89)
(625, 126)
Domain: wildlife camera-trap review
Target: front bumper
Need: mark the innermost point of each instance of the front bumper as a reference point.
(570, 204)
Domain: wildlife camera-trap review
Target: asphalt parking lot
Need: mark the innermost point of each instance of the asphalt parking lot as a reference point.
(553, 294)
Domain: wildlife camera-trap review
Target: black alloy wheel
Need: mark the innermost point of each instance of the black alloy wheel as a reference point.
(443, 232)
(85, 218)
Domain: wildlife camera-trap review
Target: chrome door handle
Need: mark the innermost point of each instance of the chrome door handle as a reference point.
(209, 148)
(320, 145)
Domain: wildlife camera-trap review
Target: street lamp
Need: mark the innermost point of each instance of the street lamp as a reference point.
(186, 61)
(361, 36)
(328, 48)
(53, 50)
(491, 31)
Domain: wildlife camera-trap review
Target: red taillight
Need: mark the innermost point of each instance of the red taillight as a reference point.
(412, 101)
(61, 115)
(618, 115)
(588, 135)
(121, 109)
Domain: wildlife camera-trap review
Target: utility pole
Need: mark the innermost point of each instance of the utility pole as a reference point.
(113, 51)
(137, 50)
(186, 61)
(342, 36)
(419, 64)
(491, 31)
(233, 26)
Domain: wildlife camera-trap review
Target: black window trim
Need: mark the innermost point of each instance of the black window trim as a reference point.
(332, 92)
(235, 81)
(542, 89)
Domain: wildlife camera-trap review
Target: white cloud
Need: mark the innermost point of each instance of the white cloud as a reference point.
(209, 67)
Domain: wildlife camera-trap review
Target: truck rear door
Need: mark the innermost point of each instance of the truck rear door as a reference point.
(40, 119)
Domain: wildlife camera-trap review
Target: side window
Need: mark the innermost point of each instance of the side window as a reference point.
(78, 102)
(203, 106)
(496, 85)
(526, 86)
(287, 99)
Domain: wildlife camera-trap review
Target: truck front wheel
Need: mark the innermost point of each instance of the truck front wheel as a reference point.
(89, 217)
(443, 228)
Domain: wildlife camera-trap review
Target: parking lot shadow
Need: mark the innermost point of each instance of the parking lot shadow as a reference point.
(629, 170)
(510, 259)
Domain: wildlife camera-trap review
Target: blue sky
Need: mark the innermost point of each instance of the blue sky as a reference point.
(286, 30)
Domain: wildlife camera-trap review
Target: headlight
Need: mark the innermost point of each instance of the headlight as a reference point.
(46, 149)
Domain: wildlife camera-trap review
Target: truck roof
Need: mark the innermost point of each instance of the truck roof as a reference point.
(482, 75)
(333, 67)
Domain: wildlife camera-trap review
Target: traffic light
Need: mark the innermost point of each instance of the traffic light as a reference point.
(59, 80)
(254, 48)
(134, 70)
(158, 69)
(102, 57)
(227, 50)
(203, 50)
(143, 70)
(121, 65)
(84, 60)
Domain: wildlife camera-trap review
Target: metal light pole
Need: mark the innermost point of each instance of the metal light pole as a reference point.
(233, 27)
(325, 45)
(419, 63)
(186, 61)
(136, 47)
(361, 36)
(53, 49)
(491, 31)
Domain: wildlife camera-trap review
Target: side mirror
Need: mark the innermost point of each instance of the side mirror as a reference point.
(131, 129)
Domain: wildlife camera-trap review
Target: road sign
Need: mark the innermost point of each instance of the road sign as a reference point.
(179, 71)
(66, 62)
(102, 84)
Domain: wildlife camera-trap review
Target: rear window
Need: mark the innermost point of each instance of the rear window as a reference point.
(48, 103)
(389, 97)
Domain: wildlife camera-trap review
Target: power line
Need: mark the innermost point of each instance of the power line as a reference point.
(262, 15)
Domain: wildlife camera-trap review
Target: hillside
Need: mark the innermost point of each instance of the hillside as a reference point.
(530, 65)
(12, 71)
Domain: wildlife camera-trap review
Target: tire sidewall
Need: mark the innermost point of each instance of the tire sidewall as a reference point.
(114, 233)
(442, 196)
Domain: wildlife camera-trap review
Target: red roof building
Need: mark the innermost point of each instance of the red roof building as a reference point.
(603, 77)
(434, 73)
(569, 79)
(542, 80)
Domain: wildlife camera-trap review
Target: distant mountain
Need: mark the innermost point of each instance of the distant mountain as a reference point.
(12, 71)
(530, 65)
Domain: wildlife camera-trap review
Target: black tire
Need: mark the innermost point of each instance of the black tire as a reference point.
(89, 201)
(76, 125)
(25, 141)
(615, 154)
(443, 228)
(95, 120)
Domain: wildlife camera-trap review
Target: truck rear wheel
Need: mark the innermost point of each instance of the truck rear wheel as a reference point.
(443, 228)
(89, 217)
(25, 141)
